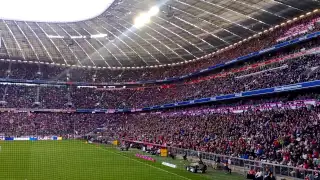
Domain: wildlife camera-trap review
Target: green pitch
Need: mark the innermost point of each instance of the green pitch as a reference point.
(68, 160)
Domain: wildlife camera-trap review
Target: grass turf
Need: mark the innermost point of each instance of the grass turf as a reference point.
(68, 160)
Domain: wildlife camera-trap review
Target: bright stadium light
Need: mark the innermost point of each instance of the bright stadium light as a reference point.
(77, 37)
(55, 37)
(154, 11)
(144, 18)
(52, 11)
(99, 35)
(141, 20)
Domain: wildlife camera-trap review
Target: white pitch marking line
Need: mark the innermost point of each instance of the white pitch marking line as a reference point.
(146, 164)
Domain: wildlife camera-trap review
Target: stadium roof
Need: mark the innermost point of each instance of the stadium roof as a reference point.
(46, 10)
(181, 31)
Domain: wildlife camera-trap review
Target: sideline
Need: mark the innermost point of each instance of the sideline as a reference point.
(144, 163)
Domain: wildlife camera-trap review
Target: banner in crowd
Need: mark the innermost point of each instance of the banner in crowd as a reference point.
(21, 139)
(285, 88)
(245, 108)
(32, 138)
(272, 90)
(258, 65)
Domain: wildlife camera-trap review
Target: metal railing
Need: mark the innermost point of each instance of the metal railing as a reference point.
(242, 166)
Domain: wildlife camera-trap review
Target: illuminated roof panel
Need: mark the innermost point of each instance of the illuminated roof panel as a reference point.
(52, 10)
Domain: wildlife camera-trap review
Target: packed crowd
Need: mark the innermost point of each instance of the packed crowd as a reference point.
(273, 69)
(277, 68)
(24, 122)
(49, 72)
(290, 71)
(302, 28)
(288, 137)
(49, 124)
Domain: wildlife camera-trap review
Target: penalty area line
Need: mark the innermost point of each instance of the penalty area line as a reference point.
(146, 164)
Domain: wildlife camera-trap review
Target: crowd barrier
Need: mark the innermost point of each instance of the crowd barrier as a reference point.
(242, 165)
(31, 138)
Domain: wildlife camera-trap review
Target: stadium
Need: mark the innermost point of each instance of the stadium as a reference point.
(160, 90)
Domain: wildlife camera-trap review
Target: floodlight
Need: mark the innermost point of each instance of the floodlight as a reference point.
(55, 37)
(99, 35)
(154, 11)
(141, 20)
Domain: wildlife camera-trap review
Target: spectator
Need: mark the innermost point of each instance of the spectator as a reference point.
(251, 174)
(226, 167)
(258, 175)
(270, 177)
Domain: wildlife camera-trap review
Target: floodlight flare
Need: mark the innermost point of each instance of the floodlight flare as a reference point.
(55, 37)
(141, 20)
(154, 11)
(77, 37)
(144, 18)
(99, 35)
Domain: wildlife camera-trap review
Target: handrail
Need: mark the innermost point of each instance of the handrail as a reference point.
(245, 162)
